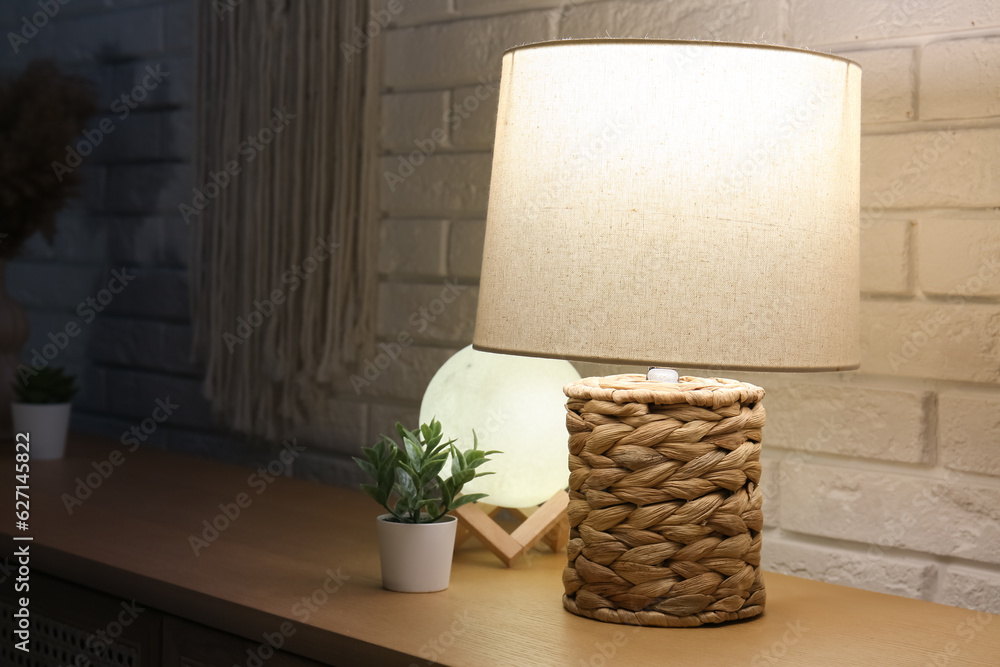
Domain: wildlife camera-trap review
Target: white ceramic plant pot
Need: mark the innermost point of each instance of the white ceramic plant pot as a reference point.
(416, 557)
(46, 425)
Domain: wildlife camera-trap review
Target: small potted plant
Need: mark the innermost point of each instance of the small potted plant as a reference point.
(417, 536)
(42, 410)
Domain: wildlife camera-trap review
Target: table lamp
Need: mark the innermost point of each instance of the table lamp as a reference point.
(689, 204)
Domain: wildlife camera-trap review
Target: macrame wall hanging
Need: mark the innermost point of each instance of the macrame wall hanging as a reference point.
(282, 270)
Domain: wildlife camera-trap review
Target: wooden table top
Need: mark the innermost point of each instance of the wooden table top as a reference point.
(131, 538)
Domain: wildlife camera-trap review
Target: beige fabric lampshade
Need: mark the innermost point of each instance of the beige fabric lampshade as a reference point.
(675, 203)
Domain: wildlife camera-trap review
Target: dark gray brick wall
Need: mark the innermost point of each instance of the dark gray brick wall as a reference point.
(135, 348)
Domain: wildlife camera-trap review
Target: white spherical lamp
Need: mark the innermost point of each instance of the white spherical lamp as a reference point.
(515, 405)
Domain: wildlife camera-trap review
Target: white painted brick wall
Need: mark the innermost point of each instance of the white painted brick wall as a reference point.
(956, 168)
(884, 424)
(473, 128)
(770, 485)
(972, 588)
(961, 78)
(895, 575)
(948, 516)
(946, 341)
(465, 247)
(382, 419)
(459, 52)
(413, 247)
(414, 12)
(340, 424)
(729, 20)
(439, 184)
(959, 257)
(885, 257)
(969, 431)
(816, 22)
(404, 380)
(407, 117)
(441, 312)
(498, 6)
(922, 412)
(886, 84)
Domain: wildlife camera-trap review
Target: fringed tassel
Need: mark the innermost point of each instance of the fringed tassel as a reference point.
(279, 99)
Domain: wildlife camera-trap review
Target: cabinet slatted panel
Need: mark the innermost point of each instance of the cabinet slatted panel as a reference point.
(56, 644)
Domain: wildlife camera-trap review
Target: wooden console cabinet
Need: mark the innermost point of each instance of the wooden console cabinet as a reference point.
(299, 565)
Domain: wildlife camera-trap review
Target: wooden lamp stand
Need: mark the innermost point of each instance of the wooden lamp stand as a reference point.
(548, 522)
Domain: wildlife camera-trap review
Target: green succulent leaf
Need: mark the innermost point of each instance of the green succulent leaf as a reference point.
(48, 385)
(376, 493)
(431, 433)
(406, 474)
(405, 485)
(367, 467)
(462, 477)
(468, 498)
(447, 487)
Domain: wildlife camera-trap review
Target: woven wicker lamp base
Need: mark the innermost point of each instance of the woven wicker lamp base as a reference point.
(665, 509)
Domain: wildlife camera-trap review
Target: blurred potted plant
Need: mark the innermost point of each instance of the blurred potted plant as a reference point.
(41, 111)
(417, 536)
(42, 410)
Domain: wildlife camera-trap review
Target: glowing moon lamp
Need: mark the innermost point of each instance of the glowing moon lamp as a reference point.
(516, 405)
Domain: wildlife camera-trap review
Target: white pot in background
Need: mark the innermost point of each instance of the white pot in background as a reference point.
(46, 425)
(416, 557)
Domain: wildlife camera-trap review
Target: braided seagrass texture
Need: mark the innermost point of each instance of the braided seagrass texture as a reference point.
(665, 509)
